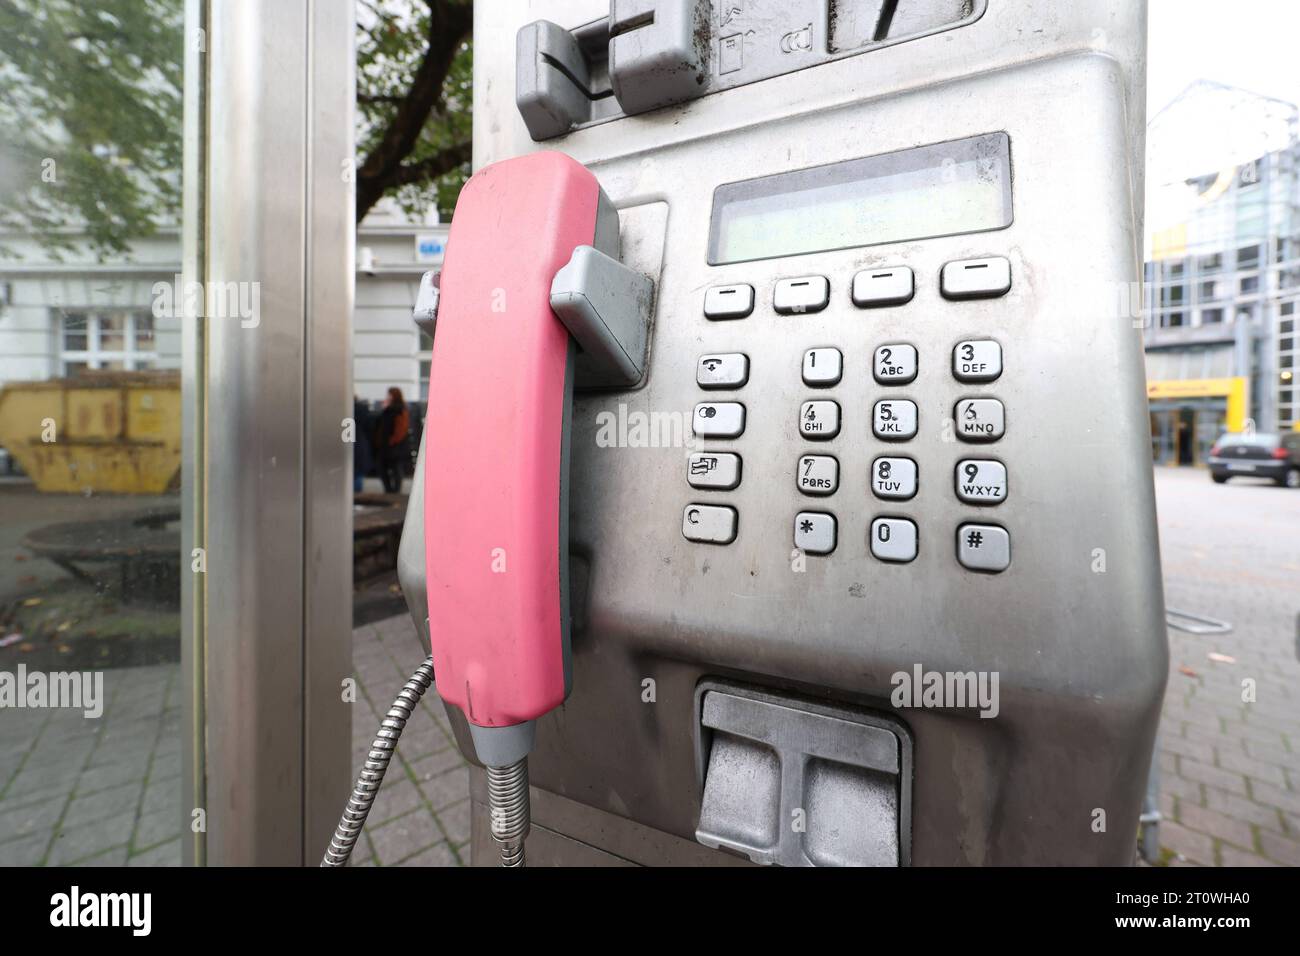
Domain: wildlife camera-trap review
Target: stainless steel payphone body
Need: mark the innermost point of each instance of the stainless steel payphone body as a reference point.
(881, 234)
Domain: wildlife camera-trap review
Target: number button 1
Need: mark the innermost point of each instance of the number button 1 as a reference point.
(894, 364)
(822, 367)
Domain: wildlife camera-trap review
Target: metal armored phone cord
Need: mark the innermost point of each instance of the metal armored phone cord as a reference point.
(507, 786)
(376, 765)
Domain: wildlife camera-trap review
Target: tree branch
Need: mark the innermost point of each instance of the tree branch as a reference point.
(431, 167)
(449, 24)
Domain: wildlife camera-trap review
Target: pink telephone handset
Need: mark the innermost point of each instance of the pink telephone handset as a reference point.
(496, 450)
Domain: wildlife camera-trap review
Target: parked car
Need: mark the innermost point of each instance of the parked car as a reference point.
(1258, 455)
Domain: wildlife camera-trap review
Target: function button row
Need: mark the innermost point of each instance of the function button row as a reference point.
(983, 278)
(713, 469)
(718, 420)
(722, 370)
(711, 524)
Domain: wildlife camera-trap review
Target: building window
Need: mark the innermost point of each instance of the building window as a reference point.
(1171, 320)
(1210, 263)
(1211, 316)
(1248, 257)
(1209, 290)
(1174, 270)
(115, 339)
(1173, 295)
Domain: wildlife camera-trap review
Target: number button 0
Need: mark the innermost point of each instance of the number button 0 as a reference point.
(893, 478)
(894, 364)
(893, 539)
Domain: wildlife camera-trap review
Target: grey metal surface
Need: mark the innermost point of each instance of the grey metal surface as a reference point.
(410, 554)
(193, 390)
(658, 52)
(655, 53)
(798, 783)
(277, 536)
(551, 80)
(1080, 652)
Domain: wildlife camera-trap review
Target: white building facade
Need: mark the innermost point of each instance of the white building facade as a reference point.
(65, 313)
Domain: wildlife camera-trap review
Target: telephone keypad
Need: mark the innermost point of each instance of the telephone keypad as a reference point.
(894, 420)
(977, 481)
(713, 469)
(719, 420)
(818, 474)
(814, 532)
(819, 420)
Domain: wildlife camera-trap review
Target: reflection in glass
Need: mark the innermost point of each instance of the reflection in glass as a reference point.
(90, 157)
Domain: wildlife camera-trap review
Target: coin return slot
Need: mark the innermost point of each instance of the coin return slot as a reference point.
(765, 760)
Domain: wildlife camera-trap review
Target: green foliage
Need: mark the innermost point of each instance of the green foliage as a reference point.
(392, 38)
(90, 114)
(90, 119)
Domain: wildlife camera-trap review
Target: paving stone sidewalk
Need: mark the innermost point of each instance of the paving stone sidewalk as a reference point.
(421, 816)
(1230, 770)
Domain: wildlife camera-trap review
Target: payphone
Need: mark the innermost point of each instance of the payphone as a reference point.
(862, 563)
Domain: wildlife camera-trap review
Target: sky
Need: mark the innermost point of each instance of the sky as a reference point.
(1253, 44)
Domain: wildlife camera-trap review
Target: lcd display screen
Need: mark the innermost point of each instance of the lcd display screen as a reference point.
(944, 189)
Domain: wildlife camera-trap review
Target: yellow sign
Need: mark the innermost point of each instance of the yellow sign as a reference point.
(1235, 390)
